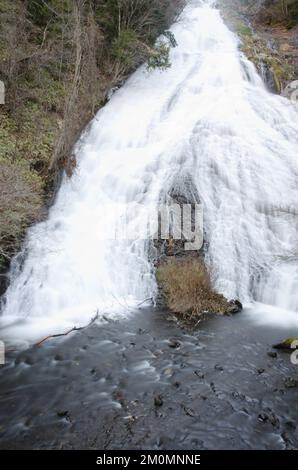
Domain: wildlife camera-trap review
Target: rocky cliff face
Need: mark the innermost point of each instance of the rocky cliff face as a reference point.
(269, 33)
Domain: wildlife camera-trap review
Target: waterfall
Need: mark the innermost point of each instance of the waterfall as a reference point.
(210, 116)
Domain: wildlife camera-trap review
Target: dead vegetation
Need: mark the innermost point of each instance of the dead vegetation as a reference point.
(186, 287)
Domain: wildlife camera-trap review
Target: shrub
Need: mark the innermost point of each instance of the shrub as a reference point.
(124, 46)
(293, 15)
(186, 286)
(160, 57)
(132, 29)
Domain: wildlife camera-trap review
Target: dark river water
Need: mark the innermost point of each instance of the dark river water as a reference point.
(148, 383)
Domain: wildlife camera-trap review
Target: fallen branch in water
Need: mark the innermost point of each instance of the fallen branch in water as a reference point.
(75, 328)
(144, 301)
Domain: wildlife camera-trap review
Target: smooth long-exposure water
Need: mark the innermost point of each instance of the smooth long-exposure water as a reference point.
(210, 116)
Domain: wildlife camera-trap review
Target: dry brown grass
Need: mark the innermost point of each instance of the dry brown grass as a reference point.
(186, 287)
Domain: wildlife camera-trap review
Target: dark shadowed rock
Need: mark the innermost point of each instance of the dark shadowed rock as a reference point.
(272, 354)
(289, 344)
(291, 383)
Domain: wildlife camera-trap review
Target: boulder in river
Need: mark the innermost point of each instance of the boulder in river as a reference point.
(289, 344)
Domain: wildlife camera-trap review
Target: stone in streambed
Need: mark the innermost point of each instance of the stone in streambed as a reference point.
(272, 354)
(158, 400)
(291, 383)
(235, 307)
(199, 374)
(269, 417)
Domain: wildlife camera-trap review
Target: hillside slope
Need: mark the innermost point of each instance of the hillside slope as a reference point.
(58, 61)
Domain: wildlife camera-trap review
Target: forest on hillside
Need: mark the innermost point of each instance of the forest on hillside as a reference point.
(58, 61)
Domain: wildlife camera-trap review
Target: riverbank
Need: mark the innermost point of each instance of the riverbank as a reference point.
(147, 383)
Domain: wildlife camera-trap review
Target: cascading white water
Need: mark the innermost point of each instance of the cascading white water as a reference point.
(209, 115)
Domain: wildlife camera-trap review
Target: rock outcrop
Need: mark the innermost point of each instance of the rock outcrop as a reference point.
(268, 37)
(185, 285)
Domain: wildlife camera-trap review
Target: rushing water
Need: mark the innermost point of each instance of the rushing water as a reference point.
(210, 116)
(219, 388)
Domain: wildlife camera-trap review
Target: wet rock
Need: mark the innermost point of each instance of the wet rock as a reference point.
(158, 400)
(64, 414)
(188, 411)
(235, 307)
(24, 360)
(58, 357)
(285, 436)
(290, 382)
(141, 331)
(260, 371)
(269, 417)
(291, 89)
(158, 353)
(272, 354)
(176, 384)
(118, 396)
(279, 390)
(199, 374)
(134, 402)
(180, 191)
(238, 395)
(174, 344)
(268, 74)
(29, 361)
(263, 417)
(289, 344)
(272, 49)
(291, 425)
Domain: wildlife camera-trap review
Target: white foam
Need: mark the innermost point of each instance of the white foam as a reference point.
(209, 115)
